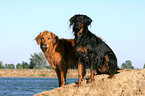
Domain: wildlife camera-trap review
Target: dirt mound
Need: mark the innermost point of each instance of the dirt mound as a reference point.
(125, 83)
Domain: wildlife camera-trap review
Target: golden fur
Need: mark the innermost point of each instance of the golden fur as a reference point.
(59, 53)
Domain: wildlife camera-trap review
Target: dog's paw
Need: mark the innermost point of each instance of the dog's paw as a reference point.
(111, 76)
(90, 80)
(78, 85)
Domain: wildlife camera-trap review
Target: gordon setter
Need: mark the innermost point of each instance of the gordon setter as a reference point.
(91, 50)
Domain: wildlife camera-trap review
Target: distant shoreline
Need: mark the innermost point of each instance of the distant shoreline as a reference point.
(36, 73)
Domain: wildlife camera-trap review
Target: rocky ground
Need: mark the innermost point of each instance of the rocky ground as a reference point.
(125, 83)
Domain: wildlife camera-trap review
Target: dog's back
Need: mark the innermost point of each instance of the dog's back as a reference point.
(69, 54)
(101, 50)
(98, 47)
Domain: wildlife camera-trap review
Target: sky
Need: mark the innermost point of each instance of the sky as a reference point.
(120, 23)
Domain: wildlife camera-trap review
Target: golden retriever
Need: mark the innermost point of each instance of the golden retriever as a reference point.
(59, 53)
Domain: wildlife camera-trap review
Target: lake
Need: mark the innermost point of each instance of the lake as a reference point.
(10, 86)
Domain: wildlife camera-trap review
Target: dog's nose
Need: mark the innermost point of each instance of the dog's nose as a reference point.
(45, 45)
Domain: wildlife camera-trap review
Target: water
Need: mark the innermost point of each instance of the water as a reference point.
(27, 86)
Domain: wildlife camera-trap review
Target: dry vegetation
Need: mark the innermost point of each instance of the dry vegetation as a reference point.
(45, 73)
(27, 73)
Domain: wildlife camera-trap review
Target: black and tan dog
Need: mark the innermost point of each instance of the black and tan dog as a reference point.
(90, 50)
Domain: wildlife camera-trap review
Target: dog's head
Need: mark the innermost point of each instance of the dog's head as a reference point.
(80, 21)
(46, 39)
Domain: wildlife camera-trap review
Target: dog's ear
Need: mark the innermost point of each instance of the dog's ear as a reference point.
(71, 20)
(88, 20)
(54, 38)
(38, 38)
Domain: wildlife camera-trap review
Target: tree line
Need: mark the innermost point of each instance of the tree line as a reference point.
(38, 61)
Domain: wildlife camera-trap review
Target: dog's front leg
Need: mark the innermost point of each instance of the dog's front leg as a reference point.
(92, 69)
(80, 68)
(91, 78)
(63, 72)
(84, 70)
(58, 76)
(92, 72)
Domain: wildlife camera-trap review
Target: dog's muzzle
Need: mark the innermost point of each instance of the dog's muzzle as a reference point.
(77, 28)
(44, 45)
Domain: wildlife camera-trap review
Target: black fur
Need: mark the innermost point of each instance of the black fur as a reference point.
(96, 48)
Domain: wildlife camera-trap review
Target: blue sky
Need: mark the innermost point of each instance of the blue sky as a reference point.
(121, 24)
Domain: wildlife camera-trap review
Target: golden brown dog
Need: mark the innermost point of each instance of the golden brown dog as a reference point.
(59, 53)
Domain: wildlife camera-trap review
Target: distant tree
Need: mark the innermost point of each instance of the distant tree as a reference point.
(37, 61)
(144, 66)
(1, 65)
(32, 65)
(48, 67)
(6, 66)
(25, 65)
(19, 66)
(123, 66)
(127, 65)
(9, 66)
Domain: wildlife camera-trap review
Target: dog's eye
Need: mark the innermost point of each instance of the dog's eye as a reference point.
(48, 38)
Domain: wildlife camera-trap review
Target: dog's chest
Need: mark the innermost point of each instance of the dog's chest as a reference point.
(81, 49)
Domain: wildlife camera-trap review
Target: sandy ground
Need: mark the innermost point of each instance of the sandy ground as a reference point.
(125, 83)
